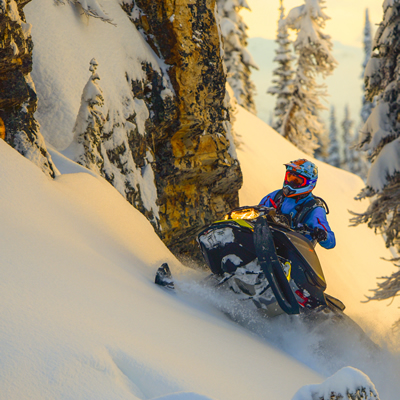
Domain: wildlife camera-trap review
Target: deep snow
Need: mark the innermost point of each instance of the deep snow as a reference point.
(81, 317)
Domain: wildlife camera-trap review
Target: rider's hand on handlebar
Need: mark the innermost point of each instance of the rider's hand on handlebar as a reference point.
(319, 234)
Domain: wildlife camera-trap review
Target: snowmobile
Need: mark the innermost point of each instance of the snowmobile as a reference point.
(255, 253)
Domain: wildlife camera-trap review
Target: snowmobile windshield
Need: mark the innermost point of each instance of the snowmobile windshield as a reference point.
(245, 213)
(294, 180)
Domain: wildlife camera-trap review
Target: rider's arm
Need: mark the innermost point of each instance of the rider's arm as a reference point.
(268, 200)
(317, 219)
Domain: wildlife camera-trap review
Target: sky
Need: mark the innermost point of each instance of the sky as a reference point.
(346, 24)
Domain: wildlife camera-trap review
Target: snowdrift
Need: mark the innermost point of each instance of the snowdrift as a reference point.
(82, 318)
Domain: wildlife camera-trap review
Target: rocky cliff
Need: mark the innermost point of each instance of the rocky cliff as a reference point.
(18, 100)
(197, 174)
(168, 145)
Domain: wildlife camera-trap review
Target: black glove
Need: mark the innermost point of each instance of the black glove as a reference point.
(319, 234)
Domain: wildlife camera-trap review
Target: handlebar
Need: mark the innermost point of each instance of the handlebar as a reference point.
(253, 212)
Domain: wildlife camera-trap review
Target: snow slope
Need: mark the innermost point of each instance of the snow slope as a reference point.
(352, 266)
(82, 319)
(61, 63)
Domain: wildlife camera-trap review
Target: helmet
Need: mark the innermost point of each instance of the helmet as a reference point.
(301, 178)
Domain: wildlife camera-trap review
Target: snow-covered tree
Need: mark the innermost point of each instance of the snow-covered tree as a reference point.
(359, 164)
(381, 136)
(281, 87)
(322, 151)
(366, 104)
(333, 149)
(347, 383)
(90, 8)
(238, 59)
(347, 138)
(89, 124)
(271, 119)
(389, 287)
(313, 47)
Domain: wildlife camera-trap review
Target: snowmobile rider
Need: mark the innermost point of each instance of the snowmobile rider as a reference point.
(297, 203)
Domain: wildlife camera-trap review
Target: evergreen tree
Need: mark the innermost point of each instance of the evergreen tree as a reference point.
(334, 149)
(347, 138)
(238, 60)
(89, 124)
(282, 87)
(366, 104)
(301, 124)
(381, 139)
(359, 163)
(271, 119)
(322, 151)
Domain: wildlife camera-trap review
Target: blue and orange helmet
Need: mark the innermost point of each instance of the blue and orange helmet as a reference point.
(301, 178)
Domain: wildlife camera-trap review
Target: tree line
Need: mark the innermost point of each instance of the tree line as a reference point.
(373, 152)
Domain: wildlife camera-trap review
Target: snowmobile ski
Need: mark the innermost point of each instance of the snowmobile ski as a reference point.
(270, 265)
(164, 277)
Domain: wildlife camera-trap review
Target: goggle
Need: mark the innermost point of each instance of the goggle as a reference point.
(294, 180)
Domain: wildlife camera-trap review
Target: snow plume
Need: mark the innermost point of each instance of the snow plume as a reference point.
(90, 8)
(300, 123)
(346, 383)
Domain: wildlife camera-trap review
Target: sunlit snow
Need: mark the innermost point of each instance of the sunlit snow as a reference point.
(80, 315)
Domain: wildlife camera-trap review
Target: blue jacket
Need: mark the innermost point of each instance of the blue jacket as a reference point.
(316, 218)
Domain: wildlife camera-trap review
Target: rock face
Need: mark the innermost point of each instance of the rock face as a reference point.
(168, 147)
(18, 99)
(196, 170)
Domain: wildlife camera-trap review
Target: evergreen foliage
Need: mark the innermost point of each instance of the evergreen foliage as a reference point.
(366, 104)
(238, 59)
(359, 163)
(301, 124)
(361, 393)
(89, 124)
(348, 383)
(322, 151)
(334, 149)
(282, 84)
(381, 139)
(347, 138)
(389, 287)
